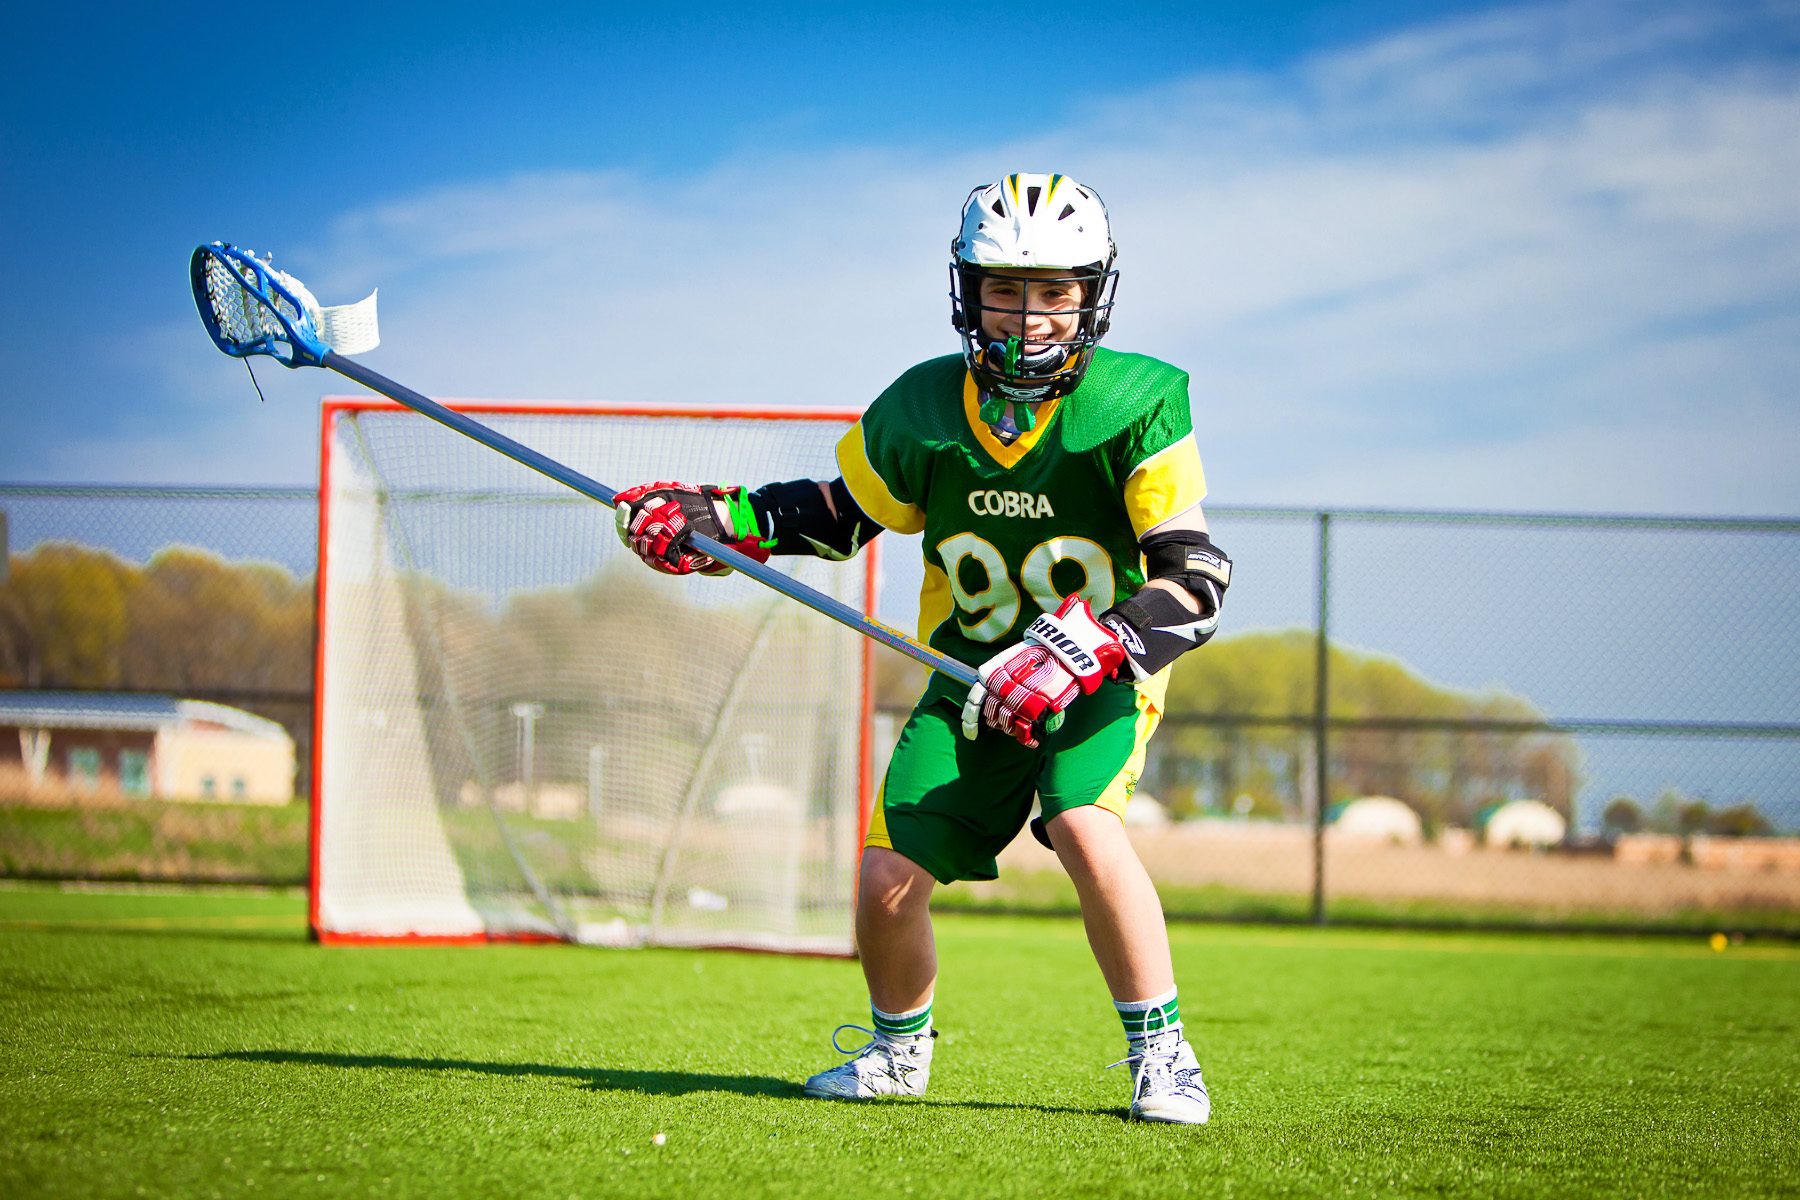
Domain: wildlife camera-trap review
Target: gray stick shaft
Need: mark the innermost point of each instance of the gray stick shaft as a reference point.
(836, 609)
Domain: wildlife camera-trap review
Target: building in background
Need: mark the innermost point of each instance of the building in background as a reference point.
(144, 746)
(1375, 819)
(1521, 823)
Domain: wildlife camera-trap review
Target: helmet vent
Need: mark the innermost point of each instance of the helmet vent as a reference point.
(1067, 212)
(1031, 199)
(998, 211)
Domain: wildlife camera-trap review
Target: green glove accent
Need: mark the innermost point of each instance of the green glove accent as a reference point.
(743, 516)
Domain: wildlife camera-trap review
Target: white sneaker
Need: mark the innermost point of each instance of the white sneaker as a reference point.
(883, 1066)
(1165, 1081)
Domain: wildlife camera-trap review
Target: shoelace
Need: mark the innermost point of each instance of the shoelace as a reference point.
(1147, 1066)
(858, 1052)
(875, 1039)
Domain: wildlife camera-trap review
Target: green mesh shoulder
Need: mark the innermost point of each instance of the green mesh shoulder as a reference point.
(1132, 404)
(918, 416)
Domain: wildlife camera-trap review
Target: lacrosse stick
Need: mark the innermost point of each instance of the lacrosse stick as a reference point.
(250, 308)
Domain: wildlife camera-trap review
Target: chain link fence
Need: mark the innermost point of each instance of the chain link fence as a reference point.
(156, 653)
(1509, 719)
(1512, 720)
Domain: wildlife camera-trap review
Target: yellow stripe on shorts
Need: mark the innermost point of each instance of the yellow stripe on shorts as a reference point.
(878, 834)
(1118, 793)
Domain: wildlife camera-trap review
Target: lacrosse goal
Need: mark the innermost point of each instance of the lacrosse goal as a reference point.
(523, 733)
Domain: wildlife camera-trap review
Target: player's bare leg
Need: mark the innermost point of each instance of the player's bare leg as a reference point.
(893, 930)
(1125, 927)
(899, 960)
(1119, 905)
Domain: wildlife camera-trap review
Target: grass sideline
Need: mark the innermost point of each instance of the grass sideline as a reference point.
(117, 840)
(196, 1044)
(171, 840)
(1051, 892)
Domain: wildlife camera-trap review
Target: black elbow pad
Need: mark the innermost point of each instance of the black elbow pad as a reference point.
(794, 519)
(1188, 557)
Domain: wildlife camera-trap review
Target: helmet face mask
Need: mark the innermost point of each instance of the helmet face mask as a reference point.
(1030, 230)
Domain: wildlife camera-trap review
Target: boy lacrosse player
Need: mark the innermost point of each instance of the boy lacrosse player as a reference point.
(1058, 488)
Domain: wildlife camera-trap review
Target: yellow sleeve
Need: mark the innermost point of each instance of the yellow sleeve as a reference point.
(870, 491)
(1164, 485)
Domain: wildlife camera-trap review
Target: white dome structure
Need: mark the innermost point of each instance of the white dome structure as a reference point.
(1523, 823)
(1378, 819)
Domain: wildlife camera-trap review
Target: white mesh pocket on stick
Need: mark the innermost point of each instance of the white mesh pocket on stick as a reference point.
(242, 317)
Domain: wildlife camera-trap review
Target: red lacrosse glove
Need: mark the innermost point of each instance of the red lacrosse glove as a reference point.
(655, 521)
(1062, 656)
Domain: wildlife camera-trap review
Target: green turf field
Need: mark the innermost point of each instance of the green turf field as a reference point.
(196, 1045)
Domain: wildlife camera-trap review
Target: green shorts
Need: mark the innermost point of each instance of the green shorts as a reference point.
(951, 805)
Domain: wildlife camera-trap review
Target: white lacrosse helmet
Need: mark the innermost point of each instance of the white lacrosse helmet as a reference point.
(1030, 220)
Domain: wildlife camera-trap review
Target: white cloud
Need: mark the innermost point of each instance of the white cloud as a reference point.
(798, 282)
(1537, 258)
(1721, 462)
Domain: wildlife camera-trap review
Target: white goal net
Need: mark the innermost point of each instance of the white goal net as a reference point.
(523, 732)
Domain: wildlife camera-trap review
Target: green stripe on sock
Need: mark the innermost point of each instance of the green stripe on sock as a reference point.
(906, 1024)
(1142, 1020)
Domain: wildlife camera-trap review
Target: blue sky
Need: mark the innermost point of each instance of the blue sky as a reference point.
(1421, 254)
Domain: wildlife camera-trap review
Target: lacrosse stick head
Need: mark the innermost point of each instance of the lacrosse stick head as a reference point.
(251, 308)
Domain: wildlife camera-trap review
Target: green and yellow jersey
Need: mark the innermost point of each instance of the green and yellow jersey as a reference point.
(1011, 530)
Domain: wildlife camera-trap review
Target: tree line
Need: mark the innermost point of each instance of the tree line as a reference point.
(1447, 775)
(187, 621)
(1684, 816)
(1208, 759)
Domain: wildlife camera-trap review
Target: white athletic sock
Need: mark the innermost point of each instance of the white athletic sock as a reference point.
(1142, 1018)
(916, 1023)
